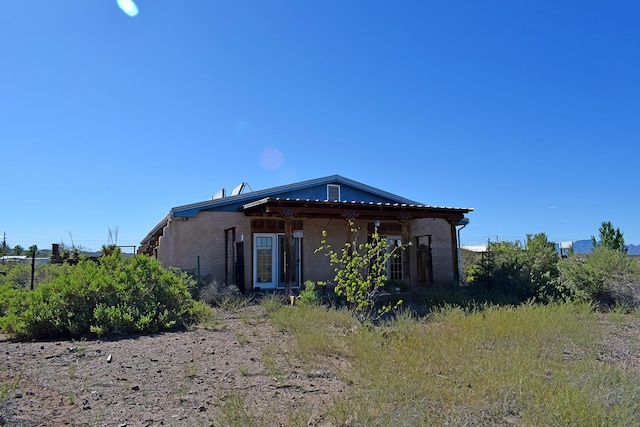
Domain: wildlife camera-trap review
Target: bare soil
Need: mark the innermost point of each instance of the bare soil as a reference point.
(196, 377)
(180, 378)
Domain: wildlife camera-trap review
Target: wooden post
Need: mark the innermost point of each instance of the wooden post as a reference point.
(33, 267)
(454, 251)
(406, 262)
(288, 214)
(288, 264)
(198, 280)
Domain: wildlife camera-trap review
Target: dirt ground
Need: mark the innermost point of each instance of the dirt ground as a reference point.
(201, 377)
(189, 378)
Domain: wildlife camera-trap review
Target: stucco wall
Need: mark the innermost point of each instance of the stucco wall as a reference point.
(203, 235)
(315, 266)
(441, 248)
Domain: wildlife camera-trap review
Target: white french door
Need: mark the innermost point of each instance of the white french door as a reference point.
(269, 261)
(264, 255)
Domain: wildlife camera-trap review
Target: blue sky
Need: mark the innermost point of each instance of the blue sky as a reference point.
(527, 111)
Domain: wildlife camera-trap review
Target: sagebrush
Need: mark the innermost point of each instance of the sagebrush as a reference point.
(117, 295)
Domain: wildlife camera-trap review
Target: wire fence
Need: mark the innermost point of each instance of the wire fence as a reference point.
(84, 246)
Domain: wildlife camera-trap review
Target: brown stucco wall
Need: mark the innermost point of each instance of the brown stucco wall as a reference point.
(315, 266)
(441, 248)
(203, 235)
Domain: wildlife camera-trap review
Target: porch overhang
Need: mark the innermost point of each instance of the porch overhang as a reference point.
(299, 208)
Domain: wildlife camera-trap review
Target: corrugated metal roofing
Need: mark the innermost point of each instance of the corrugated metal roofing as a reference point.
(354, 202)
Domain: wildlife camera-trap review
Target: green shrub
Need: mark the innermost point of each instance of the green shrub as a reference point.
(309, 294)
(361, 272)
(594, 277)
(514, 273)
(118, 295)
(20, 273)
(200, 311)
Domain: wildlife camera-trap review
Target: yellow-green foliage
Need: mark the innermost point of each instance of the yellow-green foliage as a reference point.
(526, 365)
(361, 272)
(118, 295)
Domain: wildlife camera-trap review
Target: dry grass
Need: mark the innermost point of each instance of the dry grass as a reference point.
(530, 365)
(319, 331)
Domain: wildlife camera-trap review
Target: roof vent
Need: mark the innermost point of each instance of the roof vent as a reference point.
(333, 192)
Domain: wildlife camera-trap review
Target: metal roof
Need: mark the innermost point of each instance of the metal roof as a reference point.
(353, 203)
(255, 198)
(192, 209)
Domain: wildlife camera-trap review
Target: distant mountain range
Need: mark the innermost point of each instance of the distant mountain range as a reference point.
(585, 246)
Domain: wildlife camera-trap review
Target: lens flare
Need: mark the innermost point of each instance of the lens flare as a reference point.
(128, 7)
(271, 159)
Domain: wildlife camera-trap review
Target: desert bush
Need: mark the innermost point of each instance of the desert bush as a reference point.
(514, 273)
(605, 276)
(118, 295)
(218, 293)
(20, 273)
(200, 312)
(309, 294)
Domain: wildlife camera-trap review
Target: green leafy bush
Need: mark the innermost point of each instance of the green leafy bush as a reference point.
(361, 272)
(118, 295)
(309, 294)
(514, 273)
(594, 277)
(20, 273)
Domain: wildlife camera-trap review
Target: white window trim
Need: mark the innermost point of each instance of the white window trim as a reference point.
(274, 259)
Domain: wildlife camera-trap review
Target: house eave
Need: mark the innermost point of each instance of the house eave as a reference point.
(350, 209)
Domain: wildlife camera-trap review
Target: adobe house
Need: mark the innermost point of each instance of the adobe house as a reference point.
(265, 239)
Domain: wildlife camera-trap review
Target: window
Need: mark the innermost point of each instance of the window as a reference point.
(333, 192)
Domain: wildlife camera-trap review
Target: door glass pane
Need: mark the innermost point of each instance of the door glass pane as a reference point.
(264, 259)
(395, 262)
(282, 262)
(296, 261)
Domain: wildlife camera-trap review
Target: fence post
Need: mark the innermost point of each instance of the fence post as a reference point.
(33, 267)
